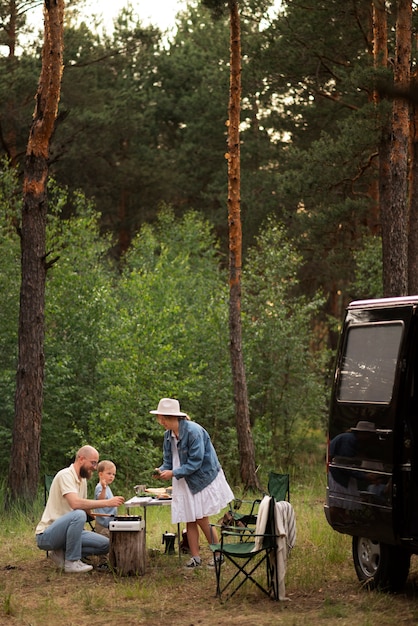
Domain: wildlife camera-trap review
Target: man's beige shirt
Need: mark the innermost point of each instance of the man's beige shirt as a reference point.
(65, 481)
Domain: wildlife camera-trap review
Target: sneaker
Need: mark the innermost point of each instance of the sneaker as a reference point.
(219, 558)
(195, 561)
(57, 557)
(76, 567)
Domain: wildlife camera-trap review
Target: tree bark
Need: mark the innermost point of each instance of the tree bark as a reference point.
(242, 417)
(22, 482)
(380, 60)
(413, 207)
(395, 218)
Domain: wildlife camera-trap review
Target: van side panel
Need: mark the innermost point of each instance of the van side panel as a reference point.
(369, 478)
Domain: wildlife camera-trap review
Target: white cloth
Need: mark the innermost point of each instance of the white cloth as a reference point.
(260, 526)
(285, 530)
(286, 539)
(188, 507)
(286, 523)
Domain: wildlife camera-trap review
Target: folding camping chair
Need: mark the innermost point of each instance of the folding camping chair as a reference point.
(48, 478)
(247, 551)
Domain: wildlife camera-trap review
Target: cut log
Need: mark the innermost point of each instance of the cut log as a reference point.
(127, 552)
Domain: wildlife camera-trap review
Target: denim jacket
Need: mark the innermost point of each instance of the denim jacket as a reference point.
(199, 463)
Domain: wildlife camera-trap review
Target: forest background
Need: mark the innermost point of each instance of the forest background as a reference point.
(137, 300)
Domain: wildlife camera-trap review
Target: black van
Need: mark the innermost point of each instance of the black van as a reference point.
(372, 460)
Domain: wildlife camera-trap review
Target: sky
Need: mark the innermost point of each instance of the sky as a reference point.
(160, 13)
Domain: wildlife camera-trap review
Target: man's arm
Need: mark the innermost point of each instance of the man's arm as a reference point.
(85, 504)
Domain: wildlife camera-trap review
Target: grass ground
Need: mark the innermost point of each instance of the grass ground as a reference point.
(321, 584)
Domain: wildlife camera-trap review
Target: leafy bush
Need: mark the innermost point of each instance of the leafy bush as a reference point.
(119, 339)
(285, 374)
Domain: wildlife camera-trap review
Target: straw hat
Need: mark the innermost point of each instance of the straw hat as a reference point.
(169, 407)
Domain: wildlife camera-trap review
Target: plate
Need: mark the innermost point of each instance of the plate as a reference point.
(138, 501)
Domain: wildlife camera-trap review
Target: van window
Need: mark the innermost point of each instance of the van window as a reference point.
(369, 362)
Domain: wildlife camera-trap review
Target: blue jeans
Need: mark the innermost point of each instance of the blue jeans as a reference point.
(67, 533)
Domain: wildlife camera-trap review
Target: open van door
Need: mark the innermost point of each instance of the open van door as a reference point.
(372, 490)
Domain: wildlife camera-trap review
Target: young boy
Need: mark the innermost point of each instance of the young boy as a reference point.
(107, 472)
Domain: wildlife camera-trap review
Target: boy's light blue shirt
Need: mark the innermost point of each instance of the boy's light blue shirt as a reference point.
(109, 510)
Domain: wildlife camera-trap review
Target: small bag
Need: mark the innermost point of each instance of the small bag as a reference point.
(229, 521)
(184, 543)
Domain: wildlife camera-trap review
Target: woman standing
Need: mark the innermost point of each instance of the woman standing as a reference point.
(200, 488)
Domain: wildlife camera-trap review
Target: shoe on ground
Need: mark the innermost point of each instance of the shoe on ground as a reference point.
(76, 567)
(57, 557)
(219, 558)
(194, 562)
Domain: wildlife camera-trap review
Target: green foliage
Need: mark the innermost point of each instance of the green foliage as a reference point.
(79, 307)
(369, 279)
(119, 339)
(317, 108)
(283, 366)
(9, 310)
(107, 115)
(218, 8)
(148, 116)
(170, 339)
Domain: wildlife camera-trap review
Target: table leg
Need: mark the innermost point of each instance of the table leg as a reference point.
(145, 524)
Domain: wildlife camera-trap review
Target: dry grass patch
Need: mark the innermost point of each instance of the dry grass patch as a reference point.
(321, 584)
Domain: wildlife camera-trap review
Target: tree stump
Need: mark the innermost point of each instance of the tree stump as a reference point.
(127, 552)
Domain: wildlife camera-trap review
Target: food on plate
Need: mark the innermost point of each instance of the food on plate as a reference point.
(157, 491)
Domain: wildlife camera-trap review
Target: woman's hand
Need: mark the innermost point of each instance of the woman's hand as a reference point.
(166, 475)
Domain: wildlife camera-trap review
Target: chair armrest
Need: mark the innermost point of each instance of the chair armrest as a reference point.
(236, 505)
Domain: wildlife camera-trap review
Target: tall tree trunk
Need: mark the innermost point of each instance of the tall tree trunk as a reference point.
(378, 192)
(242, 417)
(395, 218)
(380, 57)
(413, 207)
(22, 482)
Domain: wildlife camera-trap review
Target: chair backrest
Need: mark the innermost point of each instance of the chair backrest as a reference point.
(279, 486)
(48, 478)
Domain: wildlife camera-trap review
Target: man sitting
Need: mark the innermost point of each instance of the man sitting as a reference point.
(61, 529)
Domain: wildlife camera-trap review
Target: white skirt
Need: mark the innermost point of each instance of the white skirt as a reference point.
(189, 507)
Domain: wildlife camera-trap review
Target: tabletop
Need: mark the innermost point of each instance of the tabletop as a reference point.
(146, 501)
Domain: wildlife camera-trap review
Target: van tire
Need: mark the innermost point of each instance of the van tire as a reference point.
(379, 565)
